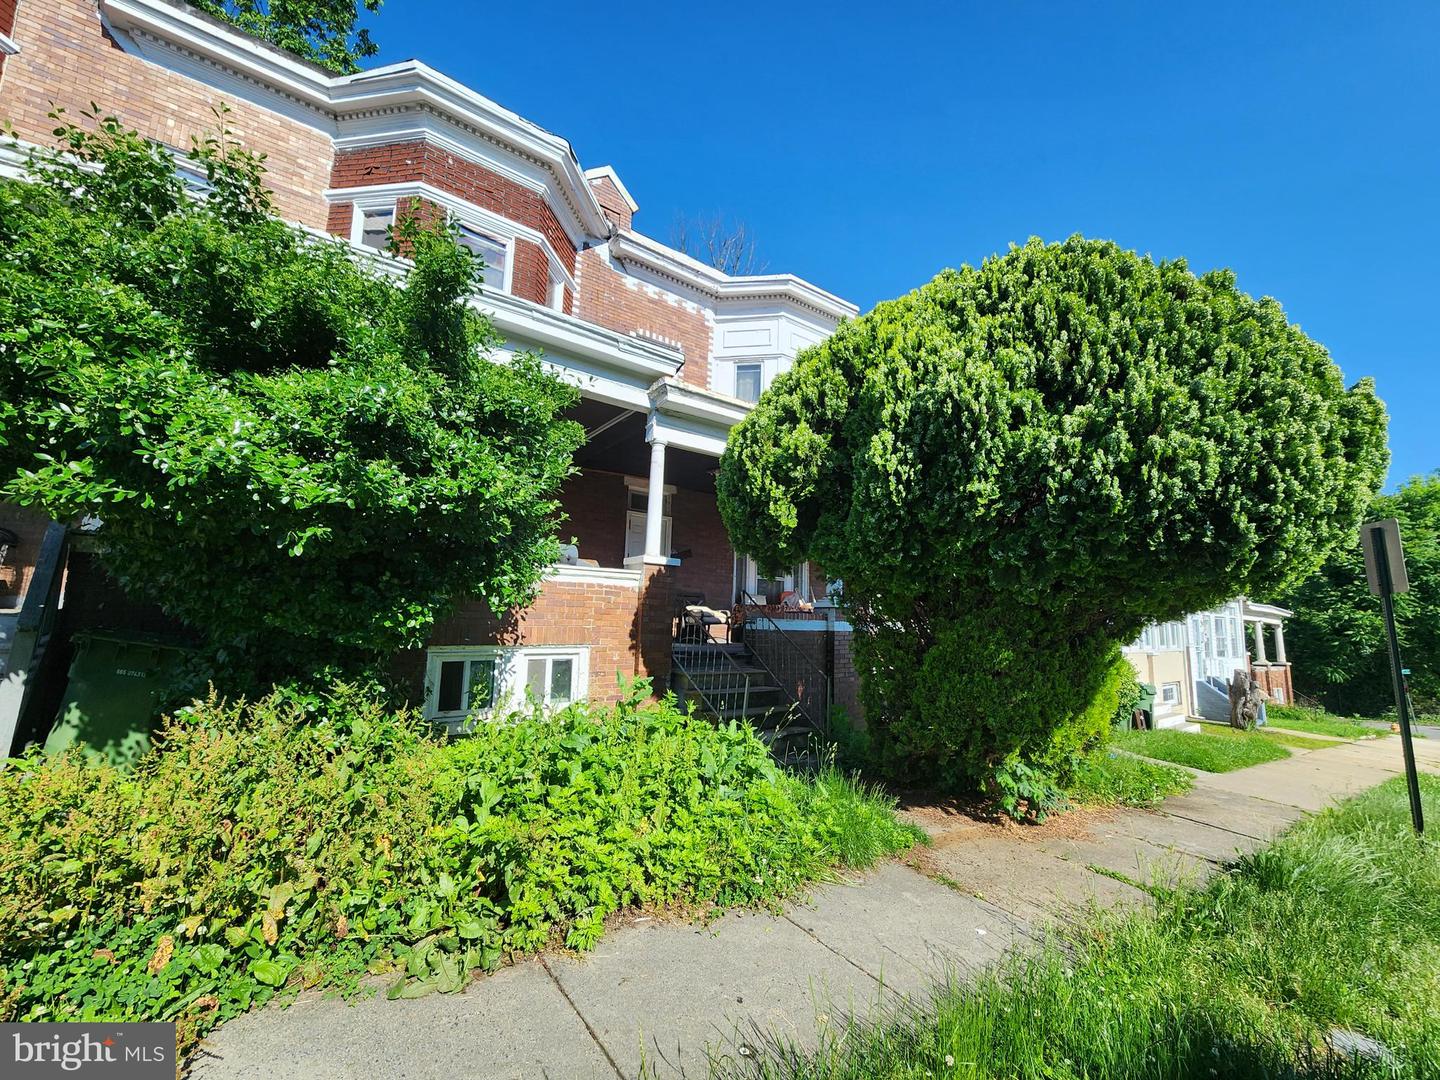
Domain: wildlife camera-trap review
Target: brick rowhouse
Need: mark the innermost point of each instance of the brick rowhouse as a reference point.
(652, 338)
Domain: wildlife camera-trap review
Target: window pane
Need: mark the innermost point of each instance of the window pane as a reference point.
(482, 684)
(747, 382)
(375, 228)
(535, 677)
(490, 251)
(638, 500)
(562, 675)
(452, 685)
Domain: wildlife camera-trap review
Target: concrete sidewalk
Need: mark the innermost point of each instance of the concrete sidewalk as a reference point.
(657, 994)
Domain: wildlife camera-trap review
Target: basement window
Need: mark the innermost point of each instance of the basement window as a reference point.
(461, 682)
(464, 683)
(1170, 693)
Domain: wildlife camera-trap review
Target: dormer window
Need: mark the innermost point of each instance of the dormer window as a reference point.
(492, 253)
(374, 226)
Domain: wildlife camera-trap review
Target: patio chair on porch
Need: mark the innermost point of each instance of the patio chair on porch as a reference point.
(695, 623)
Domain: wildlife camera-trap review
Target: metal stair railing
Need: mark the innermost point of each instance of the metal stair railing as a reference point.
(724, 679)
(799, 677)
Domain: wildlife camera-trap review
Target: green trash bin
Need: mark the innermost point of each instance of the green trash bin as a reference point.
(114, 689)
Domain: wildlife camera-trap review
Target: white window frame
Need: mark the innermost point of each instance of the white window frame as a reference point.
(579, 672)
(506, 242)
(636, 486)
(1169, 693)
(799, 583)
(511, 667)
(759, 365)
(358, 210)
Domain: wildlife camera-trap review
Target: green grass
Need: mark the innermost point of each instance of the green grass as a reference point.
(1318, 722)
(1213, 749)
(1335, 926)
(1105, 778)
(860, 823)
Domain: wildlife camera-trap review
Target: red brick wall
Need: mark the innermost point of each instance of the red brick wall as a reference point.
(594, 504)
(613, 300)
(530, 277)
(19, 564)
(417, 161)
(846, 680)
(710, 566)
(611, 201)
(602, 617)
(7, 24)
(656, 626)
(1272, 677)
(340, 219)
(67, 59)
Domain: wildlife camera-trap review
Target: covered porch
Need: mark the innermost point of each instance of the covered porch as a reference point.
(1266, 623)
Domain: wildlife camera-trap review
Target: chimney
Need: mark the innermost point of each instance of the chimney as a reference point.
(610, 193)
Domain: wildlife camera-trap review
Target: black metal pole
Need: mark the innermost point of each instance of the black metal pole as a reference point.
(1397, 674)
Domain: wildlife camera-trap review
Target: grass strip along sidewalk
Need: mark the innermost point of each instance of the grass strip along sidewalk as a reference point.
(1213, 749)
(1320, 722)
(1281, 967)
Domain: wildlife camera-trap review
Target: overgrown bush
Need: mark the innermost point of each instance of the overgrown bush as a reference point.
(1128, 694)
(297, 841)
(305, 459)
(1015, 468)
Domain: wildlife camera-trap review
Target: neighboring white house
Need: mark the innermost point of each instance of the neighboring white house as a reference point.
(1191, 661)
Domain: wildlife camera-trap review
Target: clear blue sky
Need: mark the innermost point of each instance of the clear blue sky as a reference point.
(867, 148)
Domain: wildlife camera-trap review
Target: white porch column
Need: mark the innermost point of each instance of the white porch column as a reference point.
(655, 502)
(1280, 643)
(1260, 643)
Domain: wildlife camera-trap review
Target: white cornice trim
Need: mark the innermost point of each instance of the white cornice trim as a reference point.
(497, 224)
(410, 85)
(527, 322)
(14, 157)
(8, 47)
(415, 84)
(607, 172)
(632, 247)
(676, 398)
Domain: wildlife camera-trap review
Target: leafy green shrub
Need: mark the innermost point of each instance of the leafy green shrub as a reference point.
(1015, 468)
(306, 460)
(297, 841)
(1129, 697)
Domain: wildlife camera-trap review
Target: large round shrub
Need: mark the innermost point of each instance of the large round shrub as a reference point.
(1015, 467)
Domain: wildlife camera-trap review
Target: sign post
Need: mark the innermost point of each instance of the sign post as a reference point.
(1385, 567)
